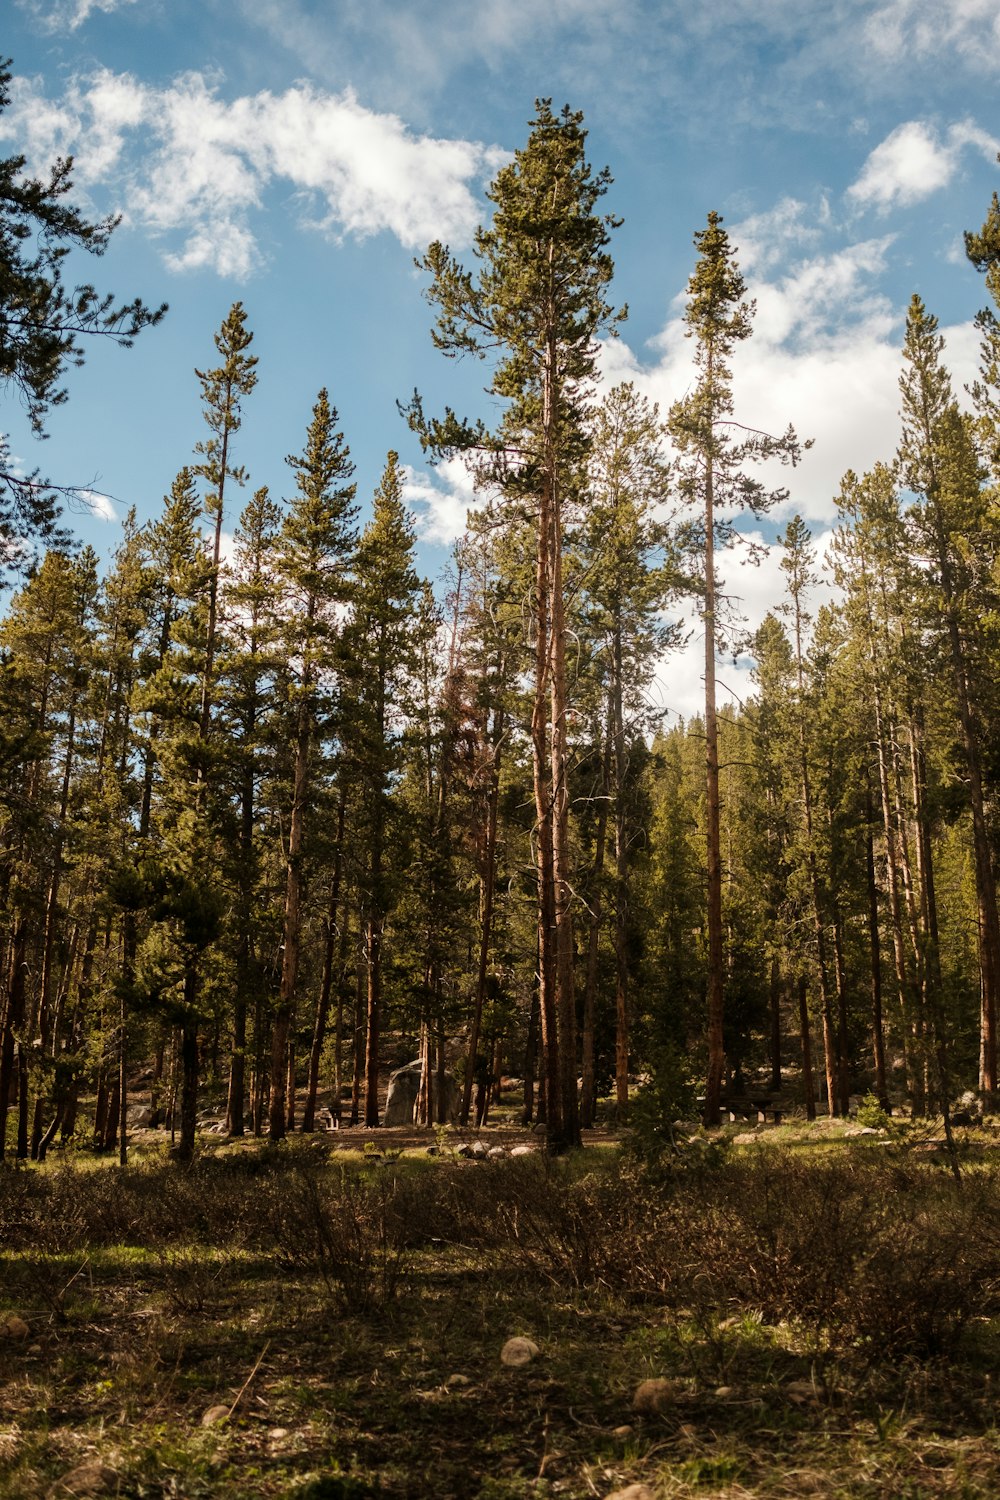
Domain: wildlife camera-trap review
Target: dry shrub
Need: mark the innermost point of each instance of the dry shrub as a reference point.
(348, 1231)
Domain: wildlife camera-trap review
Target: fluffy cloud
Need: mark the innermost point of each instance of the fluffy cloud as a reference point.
(441, 498)
(100, 506)
(197, 166)
(911, 163)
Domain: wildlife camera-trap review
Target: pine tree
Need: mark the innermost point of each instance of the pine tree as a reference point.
(540, 298)
(950, 522)
(628, 578)
(382, 656)
(713, 478)
(248, 669)
(315, 554)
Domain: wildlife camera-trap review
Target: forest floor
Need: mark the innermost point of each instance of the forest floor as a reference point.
(819, 1313)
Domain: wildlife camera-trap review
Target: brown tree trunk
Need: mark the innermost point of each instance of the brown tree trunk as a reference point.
(713, 833)
(327, 980)
(807, 1071)
(291, 933)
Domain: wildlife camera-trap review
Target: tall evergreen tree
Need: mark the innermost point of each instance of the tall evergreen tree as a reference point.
(541, 298)
(381, 650)
(315, 554)
(713, 478)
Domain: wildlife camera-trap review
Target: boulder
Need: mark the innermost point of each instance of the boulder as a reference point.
(138, 1116)
(404, 1086)
(517, 1352)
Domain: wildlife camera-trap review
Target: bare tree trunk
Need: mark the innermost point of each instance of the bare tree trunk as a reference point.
(878, 1027)
(713, 833)
(807, 1071)
(326, 983)
(291, 933)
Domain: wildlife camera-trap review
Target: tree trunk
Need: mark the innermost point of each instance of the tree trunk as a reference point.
(807, 1071)
(713, 832)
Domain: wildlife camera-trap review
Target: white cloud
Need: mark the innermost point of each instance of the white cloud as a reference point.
(907, 166)
(911, 163)
(925, 29)
(441, 499)
(69, 15)
(194, 164)
(753, 589)
(100, 506)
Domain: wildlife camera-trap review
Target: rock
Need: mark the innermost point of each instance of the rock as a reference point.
(214, 1415)
(277, 1433)
(517, 1352)
(404, 1086)
(523, 1150)
(801, 1391)
(13, 1327)
(745, 1138)
(138, 1116)
(456, 1382)
(653, 1396)
(723, 1392)
(633, 1492)
(91, 1478)
(497, 1151)
(473, 1150)
(624, 1431)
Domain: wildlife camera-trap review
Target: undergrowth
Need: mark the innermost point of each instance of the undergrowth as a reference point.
(358, 1313)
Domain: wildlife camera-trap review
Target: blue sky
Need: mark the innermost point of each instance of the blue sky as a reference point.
(297, 155)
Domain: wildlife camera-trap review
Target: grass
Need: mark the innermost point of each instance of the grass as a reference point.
(828, 1326)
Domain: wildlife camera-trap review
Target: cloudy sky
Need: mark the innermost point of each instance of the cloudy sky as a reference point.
(297, 154)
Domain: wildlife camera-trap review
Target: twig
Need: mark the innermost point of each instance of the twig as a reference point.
(246, 1383)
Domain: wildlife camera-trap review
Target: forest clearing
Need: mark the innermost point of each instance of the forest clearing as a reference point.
(801, 1311)
(690, 1185)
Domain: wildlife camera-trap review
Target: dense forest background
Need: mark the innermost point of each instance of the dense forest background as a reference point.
(259, 811)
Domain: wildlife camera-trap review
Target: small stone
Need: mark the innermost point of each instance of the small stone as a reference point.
(653, 1396)
(277, 1433)
(517, 1352)
(624, 1431)
(91, 1478)
(633, 1492)
(801, 1391)
(214, 1415)
(34, 1348)
(522, 1150)
(455, 1382)
(723, 1391)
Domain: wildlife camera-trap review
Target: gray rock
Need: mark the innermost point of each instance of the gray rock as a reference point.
(404, 1086)
(139, 1116)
